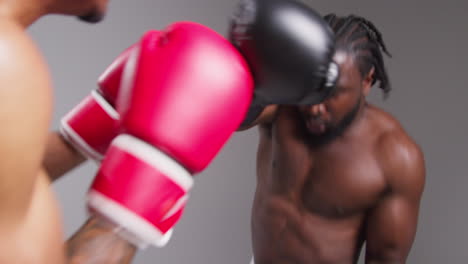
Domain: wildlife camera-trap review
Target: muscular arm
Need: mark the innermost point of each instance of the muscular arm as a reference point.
(392, 224)
(60, 157)
(30, 223)
(96, 242)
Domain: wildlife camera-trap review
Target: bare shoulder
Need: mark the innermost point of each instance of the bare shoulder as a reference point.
(20, 57)
(25, 109)
(401, 158)
(265, 117)
(25, 87)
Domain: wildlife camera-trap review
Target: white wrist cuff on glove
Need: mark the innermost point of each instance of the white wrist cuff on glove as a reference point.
(76, 139)
(140, 231)
(131, 227)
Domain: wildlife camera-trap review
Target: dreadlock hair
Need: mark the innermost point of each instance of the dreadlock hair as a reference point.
(358, 36)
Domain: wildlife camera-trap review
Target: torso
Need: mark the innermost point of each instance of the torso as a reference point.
(310, 204)
(29, 214)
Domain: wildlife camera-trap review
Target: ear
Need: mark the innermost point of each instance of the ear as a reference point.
(368, 81)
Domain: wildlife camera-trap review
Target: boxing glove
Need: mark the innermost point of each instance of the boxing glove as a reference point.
(92, 124)
(183, 94)
(289, 48)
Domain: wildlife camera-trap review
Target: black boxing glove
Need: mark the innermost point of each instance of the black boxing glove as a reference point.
(289, 48)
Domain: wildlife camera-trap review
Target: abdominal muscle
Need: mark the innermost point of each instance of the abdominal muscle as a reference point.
(283, 232)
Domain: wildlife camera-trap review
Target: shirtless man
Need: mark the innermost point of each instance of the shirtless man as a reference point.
(139, 192)
(333, 175)
(30, 225)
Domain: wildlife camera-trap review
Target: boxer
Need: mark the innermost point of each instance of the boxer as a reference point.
(30, 225)
(331, 174)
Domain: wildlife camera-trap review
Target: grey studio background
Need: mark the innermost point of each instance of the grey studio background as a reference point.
(428, 40)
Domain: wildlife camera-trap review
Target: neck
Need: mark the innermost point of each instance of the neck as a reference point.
(359, 116)
(23, 13)
(361, 112)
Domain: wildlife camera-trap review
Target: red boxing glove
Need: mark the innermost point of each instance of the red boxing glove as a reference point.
(184, 92)
(92, 124)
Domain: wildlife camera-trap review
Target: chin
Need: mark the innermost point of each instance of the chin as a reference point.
(94, 16)
(96, 13)
(316, 133)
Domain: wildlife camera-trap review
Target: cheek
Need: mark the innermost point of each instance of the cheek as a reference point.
(340, 104)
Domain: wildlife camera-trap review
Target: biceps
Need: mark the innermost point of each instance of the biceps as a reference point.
(391, 228)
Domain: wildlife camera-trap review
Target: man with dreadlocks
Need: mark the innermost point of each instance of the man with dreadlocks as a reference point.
(338, 174)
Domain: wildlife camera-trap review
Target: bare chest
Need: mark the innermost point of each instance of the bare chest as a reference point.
(340, 186)
(334, 181)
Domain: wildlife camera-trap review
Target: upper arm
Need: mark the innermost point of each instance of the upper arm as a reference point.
(265, 117)
(25, 110)
(392, 223)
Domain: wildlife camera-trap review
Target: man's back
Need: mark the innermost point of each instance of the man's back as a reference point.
(313, 201)
(30, 229)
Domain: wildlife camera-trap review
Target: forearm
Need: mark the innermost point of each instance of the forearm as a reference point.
(97, 243)
(60, 157)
